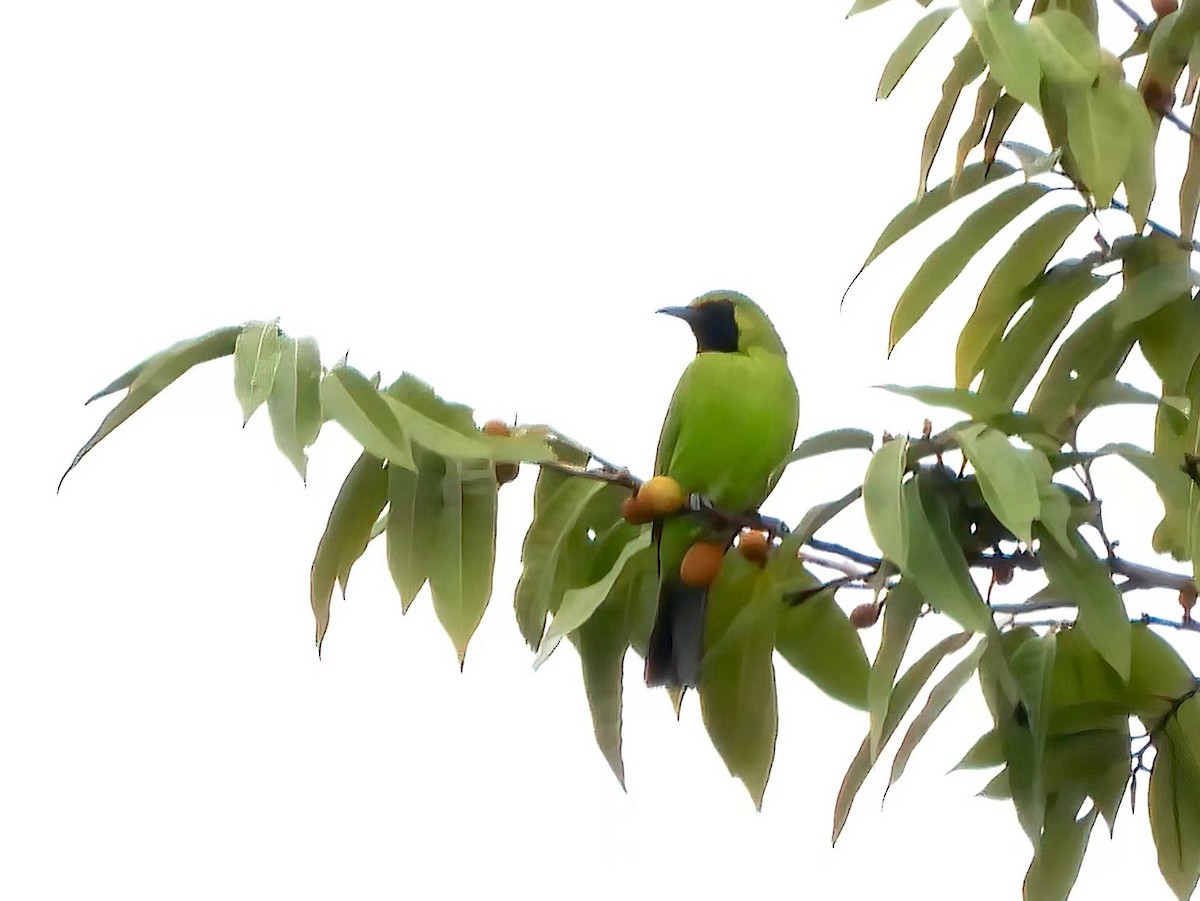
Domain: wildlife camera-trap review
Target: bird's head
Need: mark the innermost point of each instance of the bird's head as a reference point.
(728, 322)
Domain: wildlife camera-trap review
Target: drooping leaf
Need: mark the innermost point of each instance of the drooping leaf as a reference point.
(355, 509)
(1058, 855)
(948, 259)
(460, 571)
(939, 699)
(1158, 677)
(1085, 580)
(818, 640)
(968, 65)
(1148, 292)
(816, 517)
(1009, 285)
(294, 403)
(1139, 177)
(255, 358)
(910, 48)
(1011, 364)
(930, 204)
(414, 505)
(1024, 741)
(1100, 137)
(1003, 114)
(1189, 186)
(1068, 52)
(1006, 476)
(901, 609)
(833, 440)
(985, 101)
(882, 499)
(356, 405)
(974, 405)
(1175, 799)
(1007, 47)
(984, 754)
(152, 375)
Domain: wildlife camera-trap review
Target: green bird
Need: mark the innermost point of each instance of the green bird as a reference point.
(731, 423)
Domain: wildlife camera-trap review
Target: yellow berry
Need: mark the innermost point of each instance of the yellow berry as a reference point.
(754, 546)
(662, 495)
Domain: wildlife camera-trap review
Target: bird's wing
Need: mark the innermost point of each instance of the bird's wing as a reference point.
(671, 425)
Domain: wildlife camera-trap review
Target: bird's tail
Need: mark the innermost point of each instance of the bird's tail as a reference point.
(677, 640)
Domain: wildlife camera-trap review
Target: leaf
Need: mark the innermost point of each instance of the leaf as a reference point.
(1085, 580)
(939, 699)
(347, 531)
(930, 204)
(833, 440)
(1148, 292)
(882, 499)
(1007, 47)
(901, 609)
(818, 640)
(985, 101)
(968, 65)
(1158, 677)
(1139, 177)
(578, 604)
(814, 519)
(909, 49)
(357, 406)
(1010, 365)
(1024, 742)
(1069, 54)
(1009, 285)
(414, 505)
(1033, 160)
(864, 5)
(1058, 855)
(1100, 137)
(1175, 800)
(974, 405)
(294, 403)
(255, 358)
(985, 753)
(902, 697)
(737, 681)
(1003, 114)
(1193, 65)
(460, 571)
(948, 260)
(1006, 477)
(152, 375)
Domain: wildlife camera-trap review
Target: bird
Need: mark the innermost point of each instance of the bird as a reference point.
(730, 425)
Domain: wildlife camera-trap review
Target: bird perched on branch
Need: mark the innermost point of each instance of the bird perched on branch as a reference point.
(731, 423)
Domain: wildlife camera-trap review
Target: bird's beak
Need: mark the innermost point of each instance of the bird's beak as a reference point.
(687, 314)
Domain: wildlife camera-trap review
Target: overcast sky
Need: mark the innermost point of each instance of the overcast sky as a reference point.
(494, 197)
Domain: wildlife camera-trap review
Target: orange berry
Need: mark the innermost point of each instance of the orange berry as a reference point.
(1164, 7)
(754, 546)
(497, 427)
(702, 563)
(635, 512)
(1187, 600)
(864, 616)
(662, 495)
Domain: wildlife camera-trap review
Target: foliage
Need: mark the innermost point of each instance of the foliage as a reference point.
(1039, 353)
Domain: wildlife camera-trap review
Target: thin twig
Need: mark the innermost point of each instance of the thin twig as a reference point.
(1139, 23)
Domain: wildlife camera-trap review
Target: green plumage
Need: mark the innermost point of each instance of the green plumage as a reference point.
(731, 423)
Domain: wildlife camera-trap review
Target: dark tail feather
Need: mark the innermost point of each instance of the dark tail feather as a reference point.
(677, 641)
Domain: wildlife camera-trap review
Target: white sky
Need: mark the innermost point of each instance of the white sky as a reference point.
(495, 197)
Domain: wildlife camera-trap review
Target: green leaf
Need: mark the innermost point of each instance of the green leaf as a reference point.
(900, 611)
(1055, 515)
(910, 48)
(578, 604)
(833, 440)
(1024, 742)
(414, 504)
(1058, 855)
(151, 376)
(355, 509)
(968, 65)
(1010, 365)
(357, 406)
(984, 754)
(460, 571)
(1009, 285)
(939, 699)
(1006, 476)
(818, 640)
(974, 405)
(948, 260)
(1007, 47)
(1139, 177)
(902, 697)
(1175, 799)
(294, 403)
(814, 519)
(1100, 137)
(1189, 187)
(861, 6)
(559, 503)
(1086, 581)
(1158, 677)
(737, 680)
(1003, 114)
(930, 204)
(1148, 292)
(985, 101)
(1069, 54)
(882, 499)
(255, 358)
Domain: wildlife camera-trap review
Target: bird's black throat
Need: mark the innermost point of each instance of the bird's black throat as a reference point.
(714, 326)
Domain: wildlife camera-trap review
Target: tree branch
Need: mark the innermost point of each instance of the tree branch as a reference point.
(1139, 23)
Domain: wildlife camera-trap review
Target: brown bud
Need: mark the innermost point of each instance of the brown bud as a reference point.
(702, 563)
(1164, 7)
(662, 495)
(635, 512)
(506, 472)
(497, 428)
(864, 616)
(1159, 97)
(1003, 573)
(755, 546)
(1187, 600)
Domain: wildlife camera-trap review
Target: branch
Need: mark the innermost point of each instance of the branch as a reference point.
(1139, 23)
